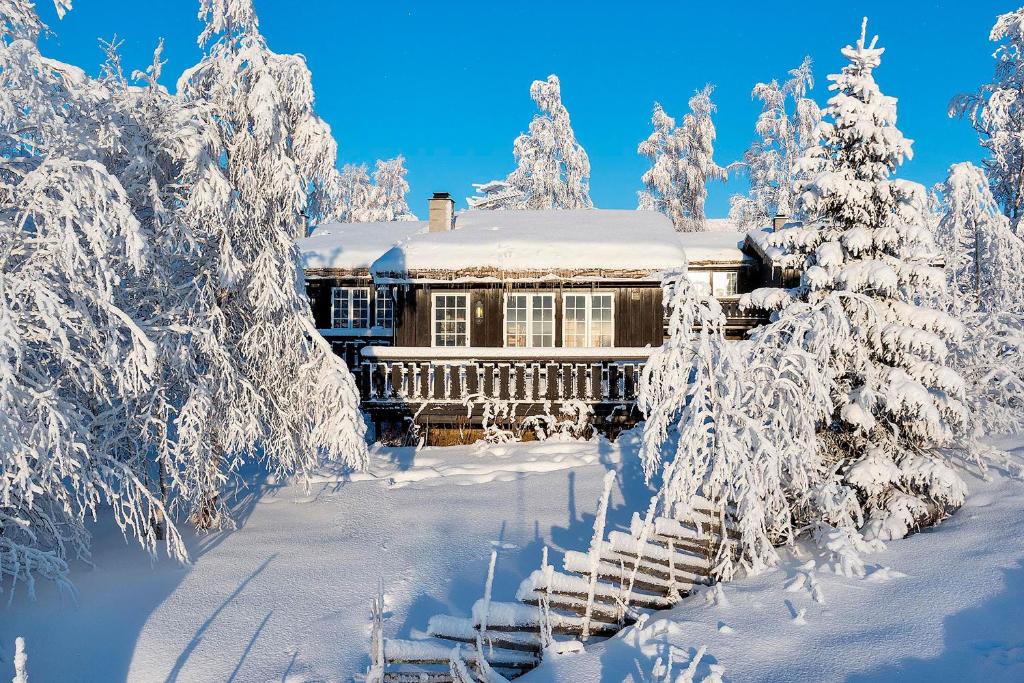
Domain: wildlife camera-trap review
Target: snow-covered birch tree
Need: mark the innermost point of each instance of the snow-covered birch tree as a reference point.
(869, 250)
(786, 129)
(278, 392)
(681, 163)
(71, 355)
(354, 198)
(996, 111)
(553, 170)
(986, 292)
(388, 201)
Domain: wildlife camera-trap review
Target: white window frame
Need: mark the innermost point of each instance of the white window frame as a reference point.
(383, 293)
(351, 308)
(719, 276)
(529, 319)
(588, 326)
(433, 319)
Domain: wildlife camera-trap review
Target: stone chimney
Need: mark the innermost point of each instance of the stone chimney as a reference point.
(777, 222)
(441, 212)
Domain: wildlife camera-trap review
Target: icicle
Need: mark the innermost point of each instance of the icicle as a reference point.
(596, 546)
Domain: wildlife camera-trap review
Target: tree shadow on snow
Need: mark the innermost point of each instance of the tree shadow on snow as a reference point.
(984, 642)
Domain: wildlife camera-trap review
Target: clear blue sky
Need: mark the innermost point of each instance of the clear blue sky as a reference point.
(447, 84)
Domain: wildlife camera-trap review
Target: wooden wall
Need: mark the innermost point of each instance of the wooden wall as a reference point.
(638, 313)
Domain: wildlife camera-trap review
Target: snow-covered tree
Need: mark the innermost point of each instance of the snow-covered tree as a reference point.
(71, 355)
(740, 421)
(870, 250)
(681, 163)
(986, 292)
(553, 170)
(786, 128)
(275, 388)
(996, 111)
(351, 192)
(388, 201)
(495, 195)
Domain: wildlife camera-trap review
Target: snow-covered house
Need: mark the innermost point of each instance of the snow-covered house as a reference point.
(538, 308)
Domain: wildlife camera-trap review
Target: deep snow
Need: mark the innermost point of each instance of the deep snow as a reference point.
(286, 596)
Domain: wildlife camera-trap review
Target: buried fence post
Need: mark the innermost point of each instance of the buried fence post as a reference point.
(596, 547)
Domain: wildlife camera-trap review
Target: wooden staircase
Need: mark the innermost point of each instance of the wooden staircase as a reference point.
(656, 564)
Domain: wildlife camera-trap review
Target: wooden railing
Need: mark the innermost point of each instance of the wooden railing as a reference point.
(421, 375)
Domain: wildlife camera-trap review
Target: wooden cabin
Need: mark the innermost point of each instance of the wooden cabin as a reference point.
(534, 309)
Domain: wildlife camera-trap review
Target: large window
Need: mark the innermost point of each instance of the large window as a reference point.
(529, 320)
(588, 320)
(717, 283)
(350, 307)
(385, 306)
(451, 320)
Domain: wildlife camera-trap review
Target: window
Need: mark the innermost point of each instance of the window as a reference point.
(724, 283)
(701, 281)
(588, 320)
(350, 307)
(385, 308)
(529, 320)
(451, 320)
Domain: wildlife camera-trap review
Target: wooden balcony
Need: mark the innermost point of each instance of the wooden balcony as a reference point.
(414, 376)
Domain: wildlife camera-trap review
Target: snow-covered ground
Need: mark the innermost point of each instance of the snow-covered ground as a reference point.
(286, 596)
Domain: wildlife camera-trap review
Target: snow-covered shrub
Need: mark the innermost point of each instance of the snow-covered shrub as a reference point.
(552, 168)
(867, 256)
(575, 420)
(681, 163)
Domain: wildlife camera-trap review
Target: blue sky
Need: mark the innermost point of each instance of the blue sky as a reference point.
(447, 84)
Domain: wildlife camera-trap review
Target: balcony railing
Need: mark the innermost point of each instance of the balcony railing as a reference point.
(415, 375)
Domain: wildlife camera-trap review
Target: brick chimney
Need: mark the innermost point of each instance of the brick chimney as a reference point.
(777, 222)
(441, 212)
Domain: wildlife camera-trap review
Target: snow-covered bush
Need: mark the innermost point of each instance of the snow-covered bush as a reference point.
(575, 420)
(681, 163)
(786, 128)
(553, 169)
(867, 256)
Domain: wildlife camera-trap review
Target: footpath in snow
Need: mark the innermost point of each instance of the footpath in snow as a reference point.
(286, 596)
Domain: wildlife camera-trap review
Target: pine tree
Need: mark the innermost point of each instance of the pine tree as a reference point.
(786, 128)
(278, 391)
(553, 170)
(869, 249)
(996, 111)
(681, 163)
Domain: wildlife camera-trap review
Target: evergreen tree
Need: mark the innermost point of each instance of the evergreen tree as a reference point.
(870, 250)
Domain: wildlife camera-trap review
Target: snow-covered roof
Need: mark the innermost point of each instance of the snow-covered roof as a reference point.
(714, 248)
(353, 246)
(574, 243)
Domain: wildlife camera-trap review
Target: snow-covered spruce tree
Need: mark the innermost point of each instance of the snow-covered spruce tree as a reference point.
(388, 201)
(553, 170)
(996, 111)
(986, 292)
(272, 389)
(740, 422)
(786, 128)
(869, 249)
(681, 163)
(71, 355)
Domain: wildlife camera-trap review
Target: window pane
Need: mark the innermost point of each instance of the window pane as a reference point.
(360, 308)
(543, 324)
(601, 326)
(731, 282)
(515, 321)
(701, 281)
(340, 307)
(385, 308)
(574, 323)
(451, 325)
